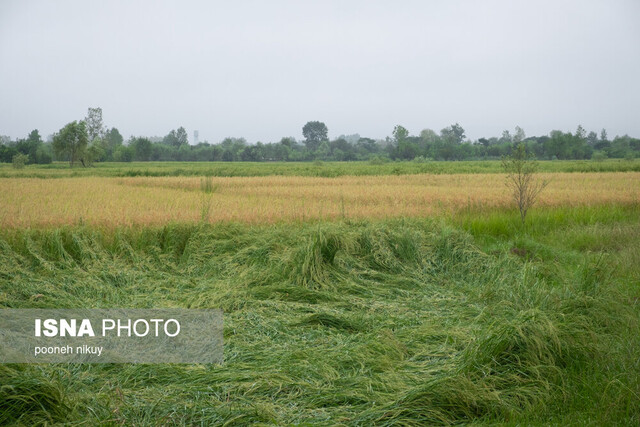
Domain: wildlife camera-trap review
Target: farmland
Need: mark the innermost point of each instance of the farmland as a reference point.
(354, 294)
(316, 169)
(32, 202)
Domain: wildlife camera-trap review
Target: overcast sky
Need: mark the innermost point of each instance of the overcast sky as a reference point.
(262, 69)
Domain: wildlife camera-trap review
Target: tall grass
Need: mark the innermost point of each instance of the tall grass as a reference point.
(403, 322)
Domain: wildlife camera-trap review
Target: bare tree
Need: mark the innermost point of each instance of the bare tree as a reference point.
(520, 168)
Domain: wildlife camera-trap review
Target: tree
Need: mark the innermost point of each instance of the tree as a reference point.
(71, 142)
(7, 153)
(94, 153)
(95, 127)
(122, 154)
(520, 168)
(603, 135)
(113, 138)
(288, 141)
(506, 137)
(400, 134)
(171, 139)
(453, 134)
(314, 134)
(519, 136)
(181, 136)
(30, 145)
(142, 148)
(429, 137)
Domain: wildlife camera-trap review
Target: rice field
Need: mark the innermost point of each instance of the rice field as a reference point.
(110, 202)
(351, 299)
(315, 169)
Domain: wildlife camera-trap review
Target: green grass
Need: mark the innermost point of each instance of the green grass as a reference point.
(322, 169)
(403, 322)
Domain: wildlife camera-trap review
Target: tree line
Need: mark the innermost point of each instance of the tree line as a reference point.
(87, 141)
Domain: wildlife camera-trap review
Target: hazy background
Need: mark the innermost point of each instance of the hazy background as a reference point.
(261, 70)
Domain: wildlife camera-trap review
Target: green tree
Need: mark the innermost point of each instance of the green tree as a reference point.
(453, 134)
(400, 134)
(142, 148)
(181, 136)
(592, 139)
(30, 145)
(603, 135)
(323, 151)
(506, 137)
(94, 153)
(123, 154)
(112, 139)
(7, 153)
(171, 139)
(519, 136)
(71, 142)
(520, 168)
(95, 127)
(314, 133)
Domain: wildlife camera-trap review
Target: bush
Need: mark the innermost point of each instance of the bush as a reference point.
(19, 160)
(599, 156)
(43, 157)
(377, 160)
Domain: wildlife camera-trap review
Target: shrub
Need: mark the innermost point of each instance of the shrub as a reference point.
(19, 160)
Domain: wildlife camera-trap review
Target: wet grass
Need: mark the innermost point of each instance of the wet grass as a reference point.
(397, 322)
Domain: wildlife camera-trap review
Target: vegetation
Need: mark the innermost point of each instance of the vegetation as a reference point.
(71, 142)
(449, 144)
(520, 168)
(378, 166)
(354, 293)
(19, 160)
(358, 323)
(134, 200)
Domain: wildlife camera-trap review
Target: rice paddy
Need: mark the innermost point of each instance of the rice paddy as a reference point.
(30, 202)
(412, 299)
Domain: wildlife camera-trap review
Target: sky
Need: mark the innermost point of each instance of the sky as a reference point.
(262, 69)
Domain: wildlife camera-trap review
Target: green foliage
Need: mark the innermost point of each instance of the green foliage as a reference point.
(377, 166)
(453, 134)
(400, 134)
(358, 323)
(94, 124)
(123, 154)
(450, 144)
(30, 146)
(142, 149)
(71, 142)
(599, 156)
(19, 160)
(176, 138)
(314, 133)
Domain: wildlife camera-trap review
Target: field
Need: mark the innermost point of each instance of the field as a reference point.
(316, 169)
(99, 201)
(391, 295)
